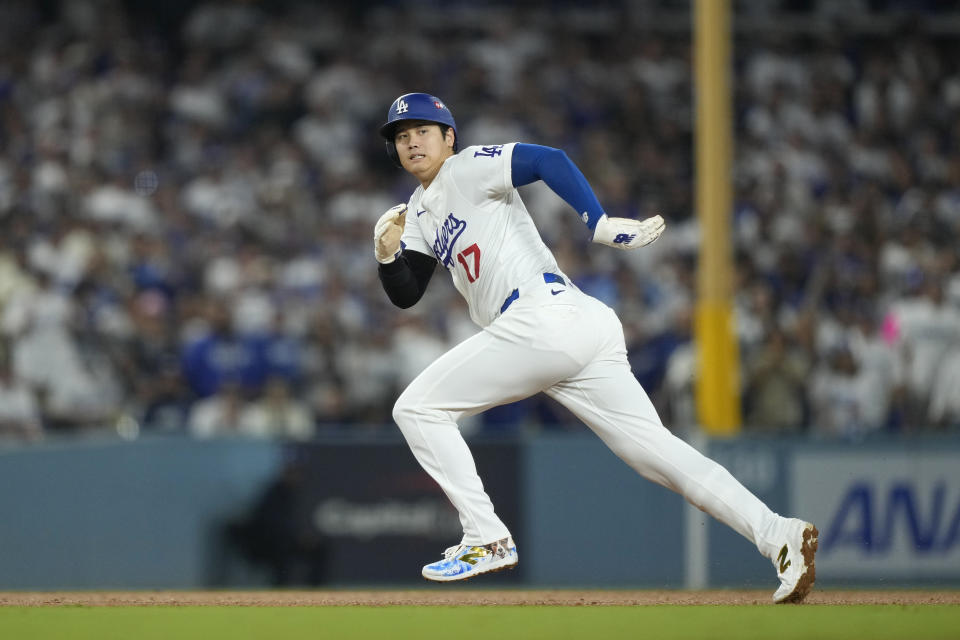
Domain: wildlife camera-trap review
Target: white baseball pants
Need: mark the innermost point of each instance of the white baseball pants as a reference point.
(571, 347)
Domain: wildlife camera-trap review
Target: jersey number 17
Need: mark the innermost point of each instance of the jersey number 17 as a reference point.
(473, 250)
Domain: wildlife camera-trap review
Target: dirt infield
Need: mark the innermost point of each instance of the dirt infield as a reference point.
(462, 597)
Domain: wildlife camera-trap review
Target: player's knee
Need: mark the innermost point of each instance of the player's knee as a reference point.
(409, 412)
(405, 411)
(400, 411)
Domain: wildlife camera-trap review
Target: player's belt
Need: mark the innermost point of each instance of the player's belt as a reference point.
(547, 277)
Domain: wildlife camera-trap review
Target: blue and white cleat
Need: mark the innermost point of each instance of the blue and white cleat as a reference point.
(462, 561)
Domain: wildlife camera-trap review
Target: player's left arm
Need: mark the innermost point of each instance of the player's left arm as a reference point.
(531, 162)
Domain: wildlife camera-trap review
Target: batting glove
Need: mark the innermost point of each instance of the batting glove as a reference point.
(625, 233)
(387, 232)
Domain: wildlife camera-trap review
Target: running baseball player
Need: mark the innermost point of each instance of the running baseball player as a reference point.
(539, 333)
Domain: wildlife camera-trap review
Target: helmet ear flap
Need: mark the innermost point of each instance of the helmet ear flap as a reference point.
(392, 152)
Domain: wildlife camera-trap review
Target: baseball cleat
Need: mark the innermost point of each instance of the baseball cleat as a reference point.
(794, 562)
(462, 561)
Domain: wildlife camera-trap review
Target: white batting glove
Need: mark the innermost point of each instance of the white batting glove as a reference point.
(387, 232)
(625, 233)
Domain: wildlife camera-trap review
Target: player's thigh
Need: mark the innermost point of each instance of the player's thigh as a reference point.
(485, 371)
(608, 399)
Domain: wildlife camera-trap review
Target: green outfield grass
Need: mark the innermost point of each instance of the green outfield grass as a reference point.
(487, 623)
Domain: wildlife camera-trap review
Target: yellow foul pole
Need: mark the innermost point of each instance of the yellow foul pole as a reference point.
(718, 369)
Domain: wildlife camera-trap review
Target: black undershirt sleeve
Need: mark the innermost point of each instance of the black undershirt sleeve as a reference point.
(405, 279)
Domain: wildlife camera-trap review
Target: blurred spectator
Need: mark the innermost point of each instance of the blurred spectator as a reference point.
(20, 417)
(680, 376)
(77, 384)
(924, 328)
(415, 346)
(277, 414)
(323, 390)
(217, 355)
(863, 333)
(200, 188)
(278, 353)
(163, 401)
(149, 360)
(944, 399)
(775, 377)
(844, 396)
(219, 414)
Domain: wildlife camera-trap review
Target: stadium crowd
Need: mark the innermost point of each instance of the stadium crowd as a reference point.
(187, 204)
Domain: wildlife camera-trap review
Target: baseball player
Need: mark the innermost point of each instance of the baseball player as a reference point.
(539, 333)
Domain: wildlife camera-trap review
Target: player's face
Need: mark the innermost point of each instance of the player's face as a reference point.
(422, 148)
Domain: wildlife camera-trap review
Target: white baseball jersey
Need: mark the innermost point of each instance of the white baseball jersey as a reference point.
(472, 219)
(554, 338)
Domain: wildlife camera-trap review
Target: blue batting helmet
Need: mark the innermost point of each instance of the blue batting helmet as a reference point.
(415, 106)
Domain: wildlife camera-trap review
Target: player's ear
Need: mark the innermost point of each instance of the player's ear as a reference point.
(450, 138)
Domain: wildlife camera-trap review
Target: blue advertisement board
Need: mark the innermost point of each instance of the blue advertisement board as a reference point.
(883, 515)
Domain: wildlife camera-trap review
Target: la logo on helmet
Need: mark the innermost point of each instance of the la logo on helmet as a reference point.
(402, 106)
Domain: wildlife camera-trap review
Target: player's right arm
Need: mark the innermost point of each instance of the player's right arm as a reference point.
(404, 272)
(405, 279)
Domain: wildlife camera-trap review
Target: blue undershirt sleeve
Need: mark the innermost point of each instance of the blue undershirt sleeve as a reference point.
(532, 162)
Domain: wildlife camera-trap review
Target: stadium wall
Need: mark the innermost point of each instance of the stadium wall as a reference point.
(150, 513)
